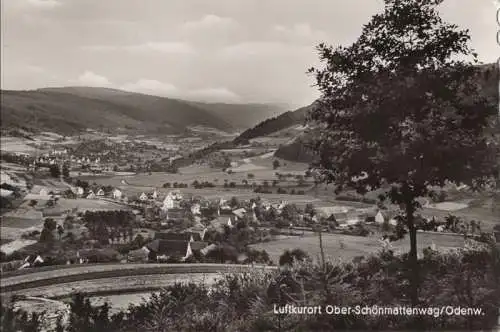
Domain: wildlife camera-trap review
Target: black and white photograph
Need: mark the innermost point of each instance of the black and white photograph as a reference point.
(249, 165)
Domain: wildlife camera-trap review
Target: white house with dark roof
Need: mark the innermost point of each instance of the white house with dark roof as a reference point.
(239, 213)
(143, 197)
(168, 202)
(31, 261)
(383, 216)
(165, 249)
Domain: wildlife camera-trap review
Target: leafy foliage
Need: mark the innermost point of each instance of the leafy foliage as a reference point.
(20, 320)
(401, 107)
(291, 256)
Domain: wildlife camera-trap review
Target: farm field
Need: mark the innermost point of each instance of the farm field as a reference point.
(15, 144)
(11, 167)
(83, 204)
(20, 222)
(260, 166)
(203, 174)
(14, 224)
(4, 241)
(15, 245)
(488, 217)
(247, 167)
(346, 247)
(12, 233)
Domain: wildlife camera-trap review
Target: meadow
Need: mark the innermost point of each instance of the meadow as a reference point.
(347, 247)
(83, 204)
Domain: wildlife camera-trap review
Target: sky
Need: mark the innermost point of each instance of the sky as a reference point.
(209, 50)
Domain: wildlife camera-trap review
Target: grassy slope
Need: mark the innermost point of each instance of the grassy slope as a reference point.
(346, 247)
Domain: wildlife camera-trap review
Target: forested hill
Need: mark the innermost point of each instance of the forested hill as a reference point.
(70, 110)
(275, 124)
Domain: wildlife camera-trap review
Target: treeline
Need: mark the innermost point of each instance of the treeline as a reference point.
(295, 151)
(104, 225)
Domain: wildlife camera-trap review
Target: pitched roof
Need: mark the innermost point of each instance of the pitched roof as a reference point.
(196, 236)
(198, 226)
(174, 215)
(141, 252)
(173, 236)
(340, 216)
(240, 212)
(32, 258)
(225, 211)
(198, 245)
(388, 214)
(209, 248)
(169, 248)
(219, 221)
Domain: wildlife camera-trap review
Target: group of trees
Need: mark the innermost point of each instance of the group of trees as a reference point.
(458, 225)
(291, 192)
(83, 184)
(106, 225)
(202, 184)
(155, 166)
(290, 257)
(219, 160)
(262, 190)
(55, 171)
(17, 159)
(6, 202)
(19, 320)
(49, 226)
(231, 184)
(175, 185)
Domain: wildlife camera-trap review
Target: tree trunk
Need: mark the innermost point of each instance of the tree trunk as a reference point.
(324, 277)
(413, 259)
(322, 252)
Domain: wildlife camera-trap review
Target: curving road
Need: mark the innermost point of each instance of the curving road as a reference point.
(111, 277)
